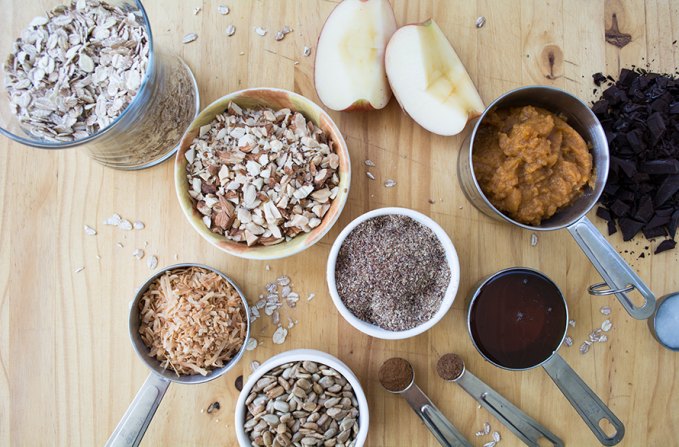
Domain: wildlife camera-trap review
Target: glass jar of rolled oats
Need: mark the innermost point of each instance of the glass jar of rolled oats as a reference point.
(86, 74)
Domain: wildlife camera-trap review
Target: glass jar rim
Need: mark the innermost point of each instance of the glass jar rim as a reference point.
(45, 144)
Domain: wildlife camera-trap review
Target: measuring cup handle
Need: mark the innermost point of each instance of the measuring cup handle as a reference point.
(525, 427)
(132, 426)
(612, 268)
(584, 400)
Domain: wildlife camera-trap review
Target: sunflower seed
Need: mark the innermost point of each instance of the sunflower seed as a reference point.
(90, 231)
(533, 240)
(605, 310)
(279, 36)
(584, 347)
(389, 183)
(138, 253)
(152, 262)
(486, 428)
(568, 341)
(190, 37)
(496, 436)
(370, 175)
(370, 163)
(480, 21)
(571, 323)
(230, 30)
(260, 31)
(306, 52)
(139, 225)
(223, 10)
(489, 444)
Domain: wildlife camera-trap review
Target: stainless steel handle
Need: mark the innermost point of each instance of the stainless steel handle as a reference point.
(612, 268)
(584, 400)
(446, 434)
(525, 427)
(135, 421)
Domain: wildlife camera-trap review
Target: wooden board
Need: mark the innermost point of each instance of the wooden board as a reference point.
(68, 370)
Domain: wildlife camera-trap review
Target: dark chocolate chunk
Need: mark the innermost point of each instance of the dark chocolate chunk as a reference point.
(599, 78)
(604, 213)
(661, 166)
(650, 233)
(668, 188)
(645, 209)
(619, 208)
(629, 227)
(667, 244)
(658, 221)
(612, 228)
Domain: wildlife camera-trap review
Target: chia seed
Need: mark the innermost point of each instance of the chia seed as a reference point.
(391, 271)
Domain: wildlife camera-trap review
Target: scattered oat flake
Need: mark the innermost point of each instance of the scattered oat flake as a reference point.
(279, 36)
(242, 53)
(606, 325)
(311, 296)
(533, 240)
(489, 444)
(584, 347)
(291, 323)
(138, 253)
(230, 30)
(260, 31)
(267, 267)
(90, 231)
(223, 10)
(98, 258)
(125, 225)
(152, 262)
(568, 340)
(571, 323)
(283, 281)
(389, 183)
(79, 269)
(479, 433)
(113, 220)
(370, 163)
(480, 21)
(370, 175)
(496, 436)
(197, 10)
(486, 428)
(254, 365)
(120, 244)
(138, 225)
(251, 344)
(306, 52)
(605, 310)
(279, 335)
(603, 338)
(190, 38)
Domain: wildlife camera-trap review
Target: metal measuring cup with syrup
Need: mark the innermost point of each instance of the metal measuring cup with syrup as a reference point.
(132, 426)
(517, 320)
(619, 277)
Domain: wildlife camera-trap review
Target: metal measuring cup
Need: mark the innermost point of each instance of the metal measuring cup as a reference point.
(618, 275)
(523, 426)
(442, 429)
(592, 409)
(131, 428)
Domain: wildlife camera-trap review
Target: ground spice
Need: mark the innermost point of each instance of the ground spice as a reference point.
(392, 271)
(396, 374)
(450, 366)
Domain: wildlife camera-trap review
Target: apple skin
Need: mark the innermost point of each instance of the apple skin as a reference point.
(360, 104)
(466, 104)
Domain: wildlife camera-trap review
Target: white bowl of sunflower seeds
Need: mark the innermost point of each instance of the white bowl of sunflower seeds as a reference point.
(305, 396)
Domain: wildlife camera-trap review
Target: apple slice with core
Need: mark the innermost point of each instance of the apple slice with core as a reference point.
(349, 70)
(429, 80)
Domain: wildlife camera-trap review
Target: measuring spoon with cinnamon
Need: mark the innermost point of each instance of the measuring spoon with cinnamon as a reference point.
(451, 368)
(397, 376)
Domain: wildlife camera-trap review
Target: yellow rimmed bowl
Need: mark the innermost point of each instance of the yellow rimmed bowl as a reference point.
(275, 99)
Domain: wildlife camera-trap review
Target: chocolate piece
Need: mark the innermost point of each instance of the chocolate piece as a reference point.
(662, 166)
(667, 244)
(650, 233)
(629, 227)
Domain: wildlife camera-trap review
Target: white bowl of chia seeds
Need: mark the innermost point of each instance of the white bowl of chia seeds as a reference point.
(393, 273)
(307, 396)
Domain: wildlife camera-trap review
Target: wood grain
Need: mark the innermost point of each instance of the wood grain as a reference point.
(67, 368)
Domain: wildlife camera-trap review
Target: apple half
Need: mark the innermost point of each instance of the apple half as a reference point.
(429, 80)
(349, 71)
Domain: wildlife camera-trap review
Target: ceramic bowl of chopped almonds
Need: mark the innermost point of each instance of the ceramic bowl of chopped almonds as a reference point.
(262, 173)
(302, 397)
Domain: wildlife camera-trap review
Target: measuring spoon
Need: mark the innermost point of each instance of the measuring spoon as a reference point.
(444, 431)
(525, 427)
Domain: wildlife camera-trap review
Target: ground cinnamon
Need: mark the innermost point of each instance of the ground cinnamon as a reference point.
(396, 374)
(450, 366)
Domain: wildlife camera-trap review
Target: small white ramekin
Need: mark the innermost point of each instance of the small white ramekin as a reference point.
(297, 355)
(446, 303)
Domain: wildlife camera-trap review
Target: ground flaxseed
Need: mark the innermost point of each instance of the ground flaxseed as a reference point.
(391, 271)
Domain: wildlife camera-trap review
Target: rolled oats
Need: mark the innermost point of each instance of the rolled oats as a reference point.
(190, 37)
(261, 176)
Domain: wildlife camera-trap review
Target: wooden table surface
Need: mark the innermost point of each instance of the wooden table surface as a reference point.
(68, 369)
